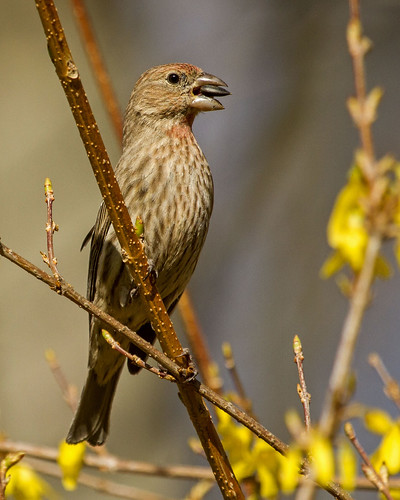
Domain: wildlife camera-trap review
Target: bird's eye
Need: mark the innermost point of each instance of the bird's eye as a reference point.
(173, 78)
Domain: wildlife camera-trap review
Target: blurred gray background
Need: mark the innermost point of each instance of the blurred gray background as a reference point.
(279, 154)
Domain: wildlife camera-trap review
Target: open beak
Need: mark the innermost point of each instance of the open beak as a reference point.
(205, 88)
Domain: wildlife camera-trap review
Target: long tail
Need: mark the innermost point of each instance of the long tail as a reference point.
(92, 418)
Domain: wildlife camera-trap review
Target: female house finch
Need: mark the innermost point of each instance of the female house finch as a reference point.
(165, 179)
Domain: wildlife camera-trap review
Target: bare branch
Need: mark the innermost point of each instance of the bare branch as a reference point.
(69, 392)
(302, 388)
(358, 47)
(230, 365)
(135, 359)
(368, 469)
(198, 344)
(50, 258)
(111, 462)
(335, 399)
(97, 62)
(391, 386)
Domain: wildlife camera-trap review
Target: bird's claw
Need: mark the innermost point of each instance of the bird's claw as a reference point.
(188, 370)
(152, 274)
(134, 292)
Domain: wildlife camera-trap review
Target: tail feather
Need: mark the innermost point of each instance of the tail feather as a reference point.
(92, 418)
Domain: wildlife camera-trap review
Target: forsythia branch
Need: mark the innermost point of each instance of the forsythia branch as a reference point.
(99, 69)
(110, 462)
(334, 401)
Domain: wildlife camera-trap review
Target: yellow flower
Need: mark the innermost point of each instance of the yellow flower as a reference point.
(237, 442)
(347, 465)
(377, 421)
(268, 484)
(25, 484)
(322, 458)
(346, 228)
(70, 460)
(388, 452)
(266, 464)
(249, 456)
(289, 469)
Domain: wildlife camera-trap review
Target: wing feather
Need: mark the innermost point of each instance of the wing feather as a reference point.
(98, 234)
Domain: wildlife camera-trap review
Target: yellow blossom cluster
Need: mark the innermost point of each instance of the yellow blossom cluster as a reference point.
(352, 217)
(387, 454)
(347, 234)
(25, 484)
(253, 458)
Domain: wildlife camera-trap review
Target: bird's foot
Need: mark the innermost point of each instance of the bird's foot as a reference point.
(188, 370)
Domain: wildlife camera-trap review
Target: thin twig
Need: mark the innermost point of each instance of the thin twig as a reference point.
(230, 365)
(368, 469)
(334, 401)
(11, 458)
(355, 9)
(362, 483)
(391, 386)
(306, 489)
(198, 344)
(67, 390)
(358, 47)
(351, 329)
(50, 258)
(304, 396)
(98, 65)
(135, 359)
(242, 417)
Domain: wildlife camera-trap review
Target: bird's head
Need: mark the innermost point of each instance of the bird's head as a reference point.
(175, 91)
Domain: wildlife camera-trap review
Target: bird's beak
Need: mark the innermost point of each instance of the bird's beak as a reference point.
(205, 88)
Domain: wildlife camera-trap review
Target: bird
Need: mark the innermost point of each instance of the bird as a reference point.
(166, 181)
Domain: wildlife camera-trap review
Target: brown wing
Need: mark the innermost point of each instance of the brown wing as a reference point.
(97, 235)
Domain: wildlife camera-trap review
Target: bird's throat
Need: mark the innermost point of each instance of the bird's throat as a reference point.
(181, 131)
